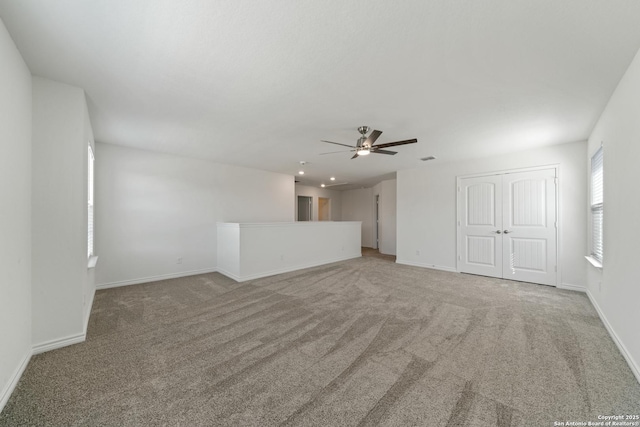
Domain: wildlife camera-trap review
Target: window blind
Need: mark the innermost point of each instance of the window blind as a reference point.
(597, 205)
(90, 200)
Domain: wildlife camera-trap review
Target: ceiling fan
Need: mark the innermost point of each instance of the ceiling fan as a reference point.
(365, 145)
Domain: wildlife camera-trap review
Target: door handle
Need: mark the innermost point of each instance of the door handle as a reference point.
(498, 232)
(507, 231)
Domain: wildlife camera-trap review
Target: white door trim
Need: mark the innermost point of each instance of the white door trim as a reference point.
(554, 166)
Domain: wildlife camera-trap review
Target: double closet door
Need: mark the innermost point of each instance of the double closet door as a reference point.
(507, 226)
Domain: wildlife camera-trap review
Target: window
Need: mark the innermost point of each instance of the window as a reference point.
(90, 199)
(597, 205)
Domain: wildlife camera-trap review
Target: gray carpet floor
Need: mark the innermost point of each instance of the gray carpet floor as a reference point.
(358, 343)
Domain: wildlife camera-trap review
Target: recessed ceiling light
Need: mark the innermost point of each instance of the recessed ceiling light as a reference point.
(301, 172)
(333, 178)
(322, 185)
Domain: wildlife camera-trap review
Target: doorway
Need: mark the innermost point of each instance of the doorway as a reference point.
(304, 208)
(507, 226)
(324, 209)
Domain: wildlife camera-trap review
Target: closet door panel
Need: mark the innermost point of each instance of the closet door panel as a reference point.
(529, 226)
(480, 223)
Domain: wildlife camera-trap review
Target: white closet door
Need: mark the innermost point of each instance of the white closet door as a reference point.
(529, 226)
(508, 226)
(480, 201)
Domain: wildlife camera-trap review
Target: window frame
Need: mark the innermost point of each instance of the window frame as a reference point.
(596, 207)
(90, 202)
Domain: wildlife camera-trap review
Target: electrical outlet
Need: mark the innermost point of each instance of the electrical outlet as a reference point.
(418, 252)
(179, 260)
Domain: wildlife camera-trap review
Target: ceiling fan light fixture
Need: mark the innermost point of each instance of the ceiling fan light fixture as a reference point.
(363, 151)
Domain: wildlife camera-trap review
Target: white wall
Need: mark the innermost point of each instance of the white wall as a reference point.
(247, 251)
(427, 207)
(60, 280)
(615, 289)
(360, 205)
(153, 208)
(15, 215)
(357, 205)
(315, 192)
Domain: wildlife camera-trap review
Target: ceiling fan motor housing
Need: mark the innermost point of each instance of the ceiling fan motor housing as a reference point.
(363, 131)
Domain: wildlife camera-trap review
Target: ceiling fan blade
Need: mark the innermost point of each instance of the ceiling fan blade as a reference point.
(334, 152)
(384, 152)
(375, 134)
(393, 144)
(355, 155)
(337, 143)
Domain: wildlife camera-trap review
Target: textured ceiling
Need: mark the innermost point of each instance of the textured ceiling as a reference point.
(260, 83)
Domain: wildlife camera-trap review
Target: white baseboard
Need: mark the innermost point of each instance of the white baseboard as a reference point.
(571, 287)
(41, 348)
(58, 343)
(140, 280)
(431, 266)
(625, 353)
(36, 349)
(230, 275)
(8, 389)
(247, 277)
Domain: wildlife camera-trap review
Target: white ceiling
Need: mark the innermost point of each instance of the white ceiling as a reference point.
(260, 83)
